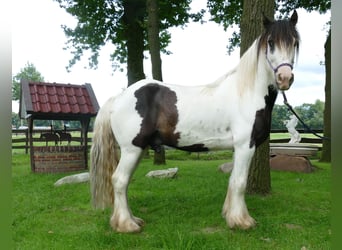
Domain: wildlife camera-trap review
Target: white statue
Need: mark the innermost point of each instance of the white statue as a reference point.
(291, 127)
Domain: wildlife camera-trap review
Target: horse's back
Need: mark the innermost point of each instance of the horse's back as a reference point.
(153, 113)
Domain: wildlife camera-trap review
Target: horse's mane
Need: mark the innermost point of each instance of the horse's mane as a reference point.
(247, 68)
(247, 62)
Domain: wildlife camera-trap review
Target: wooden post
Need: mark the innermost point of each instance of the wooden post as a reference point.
(84, 135)
(26, 141)
(30, 131)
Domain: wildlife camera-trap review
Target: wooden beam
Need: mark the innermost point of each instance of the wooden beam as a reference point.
(30, 133)
(84, 135)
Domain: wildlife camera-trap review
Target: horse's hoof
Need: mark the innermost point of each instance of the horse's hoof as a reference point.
(139, 221)
(244, 222)
(131, 228)
(127, 226)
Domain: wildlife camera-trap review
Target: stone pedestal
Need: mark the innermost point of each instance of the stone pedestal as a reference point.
(291, 163)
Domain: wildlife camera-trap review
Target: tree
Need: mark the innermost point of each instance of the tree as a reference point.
(99, 22)
(154, 48)
(15, 120)
(121, 23)
(29, 72)
(280, 114)
(153, 38)
(326, 149)
(312, 114)
(133, 17)
(259, 177)
(228, 13)
(286, 6)
(322, 7)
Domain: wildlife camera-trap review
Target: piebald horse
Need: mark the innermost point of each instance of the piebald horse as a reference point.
(232, 112)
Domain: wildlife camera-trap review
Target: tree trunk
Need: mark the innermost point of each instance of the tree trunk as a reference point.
(252, 20)
(326, 150)
(133, 19)
(154, 47)
(259, 178)
(153, 38)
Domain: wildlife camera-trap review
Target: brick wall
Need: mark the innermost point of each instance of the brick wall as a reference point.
(52, 159)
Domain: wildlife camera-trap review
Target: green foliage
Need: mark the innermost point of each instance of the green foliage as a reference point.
(287, 6)
(280, 114)
(15, 120)
(104, 21)
(101, 22)
(180, 213)
(311, 114)
(29, 72)
(228, 13)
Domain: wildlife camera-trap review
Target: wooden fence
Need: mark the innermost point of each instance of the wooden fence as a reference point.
(24, 141)
(313, 140)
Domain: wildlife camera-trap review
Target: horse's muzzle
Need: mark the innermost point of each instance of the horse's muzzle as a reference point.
(284, 77)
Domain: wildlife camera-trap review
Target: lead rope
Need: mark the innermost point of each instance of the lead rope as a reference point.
(301, 121)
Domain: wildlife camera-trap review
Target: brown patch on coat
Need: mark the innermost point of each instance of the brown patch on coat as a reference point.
(194, 148)
(262, 122)
(156, 104)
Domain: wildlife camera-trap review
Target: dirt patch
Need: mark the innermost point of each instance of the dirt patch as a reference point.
(293, 226)
(211, 230)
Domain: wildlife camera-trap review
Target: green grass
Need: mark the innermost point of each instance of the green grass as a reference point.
(180, 213)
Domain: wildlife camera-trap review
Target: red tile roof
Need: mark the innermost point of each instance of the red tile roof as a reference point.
(39, 98)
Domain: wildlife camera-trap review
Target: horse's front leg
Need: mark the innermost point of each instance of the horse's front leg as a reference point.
(122, 219)
(234, 209)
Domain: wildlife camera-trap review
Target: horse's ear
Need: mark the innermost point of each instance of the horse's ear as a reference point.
(294, 18)
(266, 21)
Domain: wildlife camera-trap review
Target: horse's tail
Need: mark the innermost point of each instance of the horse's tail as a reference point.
(104, 157)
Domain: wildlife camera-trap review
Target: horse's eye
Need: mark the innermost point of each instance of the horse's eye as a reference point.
(271, 44)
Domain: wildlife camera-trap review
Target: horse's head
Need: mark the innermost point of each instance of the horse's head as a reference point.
(281, 43)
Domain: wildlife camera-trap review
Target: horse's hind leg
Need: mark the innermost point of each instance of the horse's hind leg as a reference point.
(234, 209)
(122, 219)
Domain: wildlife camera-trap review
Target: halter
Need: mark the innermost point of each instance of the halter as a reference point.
(275, 69)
